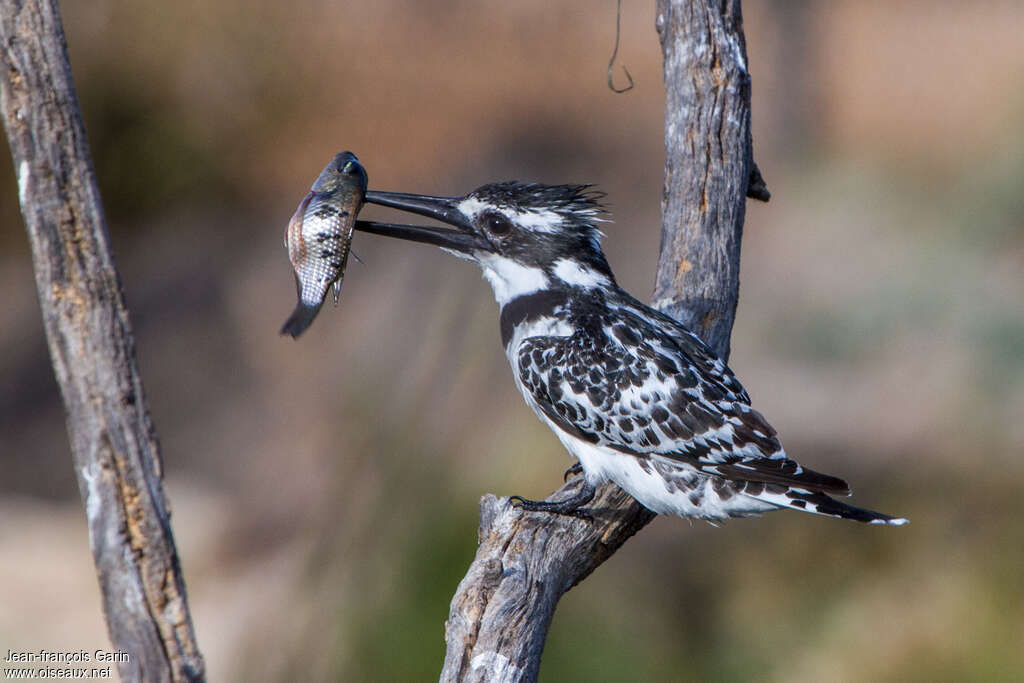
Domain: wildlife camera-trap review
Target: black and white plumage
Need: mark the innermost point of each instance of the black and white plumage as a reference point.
(632, 394)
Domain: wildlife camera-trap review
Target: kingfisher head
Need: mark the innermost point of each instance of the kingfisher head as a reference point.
(525, 237)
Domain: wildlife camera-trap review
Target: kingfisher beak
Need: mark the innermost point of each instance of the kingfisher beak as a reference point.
(463, 239)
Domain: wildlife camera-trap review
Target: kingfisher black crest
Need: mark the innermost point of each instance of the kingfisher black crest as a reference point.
(637, 398)
(572, 202)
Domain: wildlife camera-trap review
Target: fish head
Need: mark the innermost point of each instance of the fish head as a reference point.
(343, 171)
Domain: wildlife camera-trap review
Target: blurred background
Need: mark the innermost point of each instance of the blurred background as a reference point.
(325, 491)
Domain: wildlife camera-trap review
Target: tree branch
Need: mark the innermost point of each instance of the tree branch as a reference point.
(113, 442)
(501, 612)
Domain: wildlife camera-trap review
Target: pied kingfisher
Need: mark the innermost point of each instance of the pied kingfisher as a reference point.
(636, 397)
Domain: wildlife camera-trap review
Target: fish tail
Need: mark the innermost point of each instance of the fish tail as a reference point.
(301, 318)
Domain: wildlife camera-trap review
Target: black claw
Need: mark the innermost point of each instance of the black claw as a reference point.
(570, 506)
(576, 469)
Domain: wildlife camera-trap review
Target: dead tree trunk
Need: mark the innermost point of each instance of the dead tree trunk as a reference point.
(501, 611)
(113, 443)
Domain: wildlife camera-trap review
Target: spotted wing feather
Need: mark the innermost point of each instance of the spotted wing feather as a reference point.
(623, 383)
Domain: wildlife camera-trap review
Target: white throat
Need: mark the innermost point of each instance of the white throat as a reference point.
(509, 279)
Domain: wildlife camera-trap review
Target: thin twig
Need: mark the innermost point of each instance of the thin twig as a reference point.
(615, 54)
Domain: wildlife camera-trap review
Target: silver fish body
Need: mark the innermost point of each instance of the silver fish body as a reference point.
(319, 237)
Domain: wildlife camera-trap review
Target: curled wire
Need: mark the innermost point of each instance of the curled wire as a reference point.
(615, 54)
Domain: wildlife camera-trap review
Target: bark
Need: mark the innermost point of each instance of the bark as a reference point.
(708, 165)
(113, 442)
(502, 609)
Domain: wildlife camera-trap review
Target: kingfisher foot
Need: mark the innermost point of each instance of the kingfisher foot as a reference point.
(576, 469)
(570, 506)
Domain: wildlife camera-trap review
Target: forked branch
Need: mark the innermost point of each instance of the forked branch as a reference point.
(503, 607)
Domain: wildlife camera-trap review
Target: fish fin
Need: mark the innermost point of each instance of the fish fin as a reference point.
(356, 257)
(293, 233)
(300, 319)
(337, 290)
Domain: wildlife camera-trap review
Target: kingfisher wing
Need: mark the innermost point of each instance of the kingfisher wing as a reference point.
(640, 385)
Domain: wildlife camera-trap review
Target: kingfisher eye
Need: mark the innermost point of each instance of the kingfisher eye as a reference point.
(497, 224)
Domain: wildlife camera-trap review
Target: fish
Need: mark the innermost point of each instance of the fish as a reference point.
(319, 237)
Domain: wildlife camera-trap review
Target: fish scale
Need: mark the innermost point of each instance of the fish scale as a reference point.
(319, 237)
